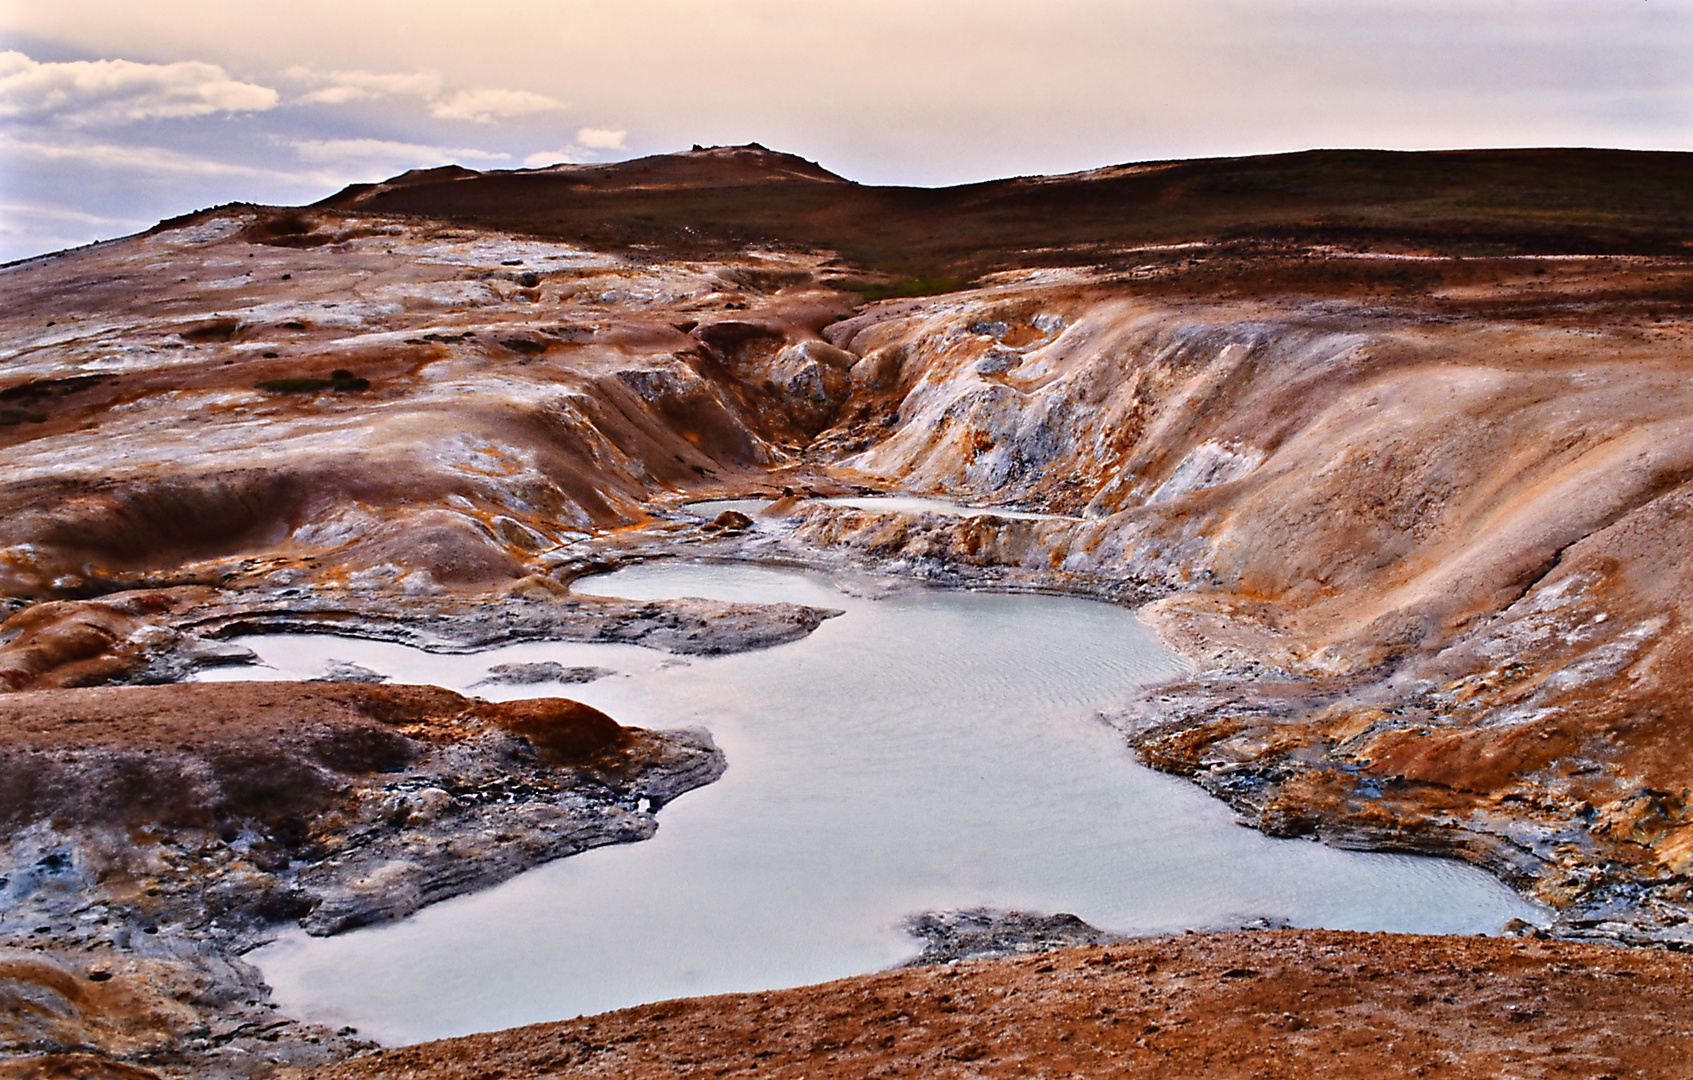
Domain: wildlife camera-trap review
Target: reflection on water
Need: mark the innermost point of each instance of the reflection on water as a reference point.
(913, 504)
(926, 750)
(908, 504)
(710, 508)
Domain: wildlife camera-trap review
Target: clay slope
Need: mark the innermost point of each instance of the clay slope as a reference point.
(1395, 446)
(1418, 516)
(434, 405)
(1290, 1004)
(1429, 551)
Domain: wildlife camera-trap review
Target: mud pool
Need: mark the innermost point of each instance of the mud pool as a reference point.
(903, 504)
(924, 750)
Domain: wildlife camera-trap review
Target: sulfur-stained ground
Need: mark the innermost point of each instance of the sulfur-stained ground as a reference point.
(1261, 1005)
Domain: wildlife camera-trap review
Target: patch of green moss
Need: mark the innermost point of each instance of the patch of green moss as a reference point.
(873, 291)
(8, 417)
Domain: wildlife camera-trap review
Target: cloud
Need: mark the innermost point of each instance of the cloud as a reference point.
(483, 106)
(589, 143)
(385, 150)
(30, 228)
(341, 87)
(113, 157)
(10, 212)
(600, 138)
(570, 155)
(486, 106)
(80, 92)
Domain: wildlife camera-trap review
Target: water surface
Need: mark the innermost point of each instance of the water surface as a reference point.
(917, 504)
(909, 504)
(924, 750)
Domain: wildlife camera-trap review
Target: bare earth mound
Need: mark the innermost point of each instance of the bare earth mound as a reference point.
(1259, 1005)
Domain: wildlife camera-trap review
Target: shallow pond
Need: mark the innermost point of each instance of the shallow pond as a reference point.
(906, 504)
(924, 750)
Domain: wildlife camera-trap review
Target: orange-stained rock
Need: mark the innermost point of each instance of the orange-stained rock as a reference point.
(562, 731)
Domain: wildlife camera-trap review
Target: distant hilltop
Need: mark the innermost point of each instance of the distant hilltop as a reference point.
(1459, 202)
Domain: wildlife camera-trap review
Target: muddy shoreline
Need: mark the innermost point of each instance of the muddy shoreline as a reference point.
(1599, 889)
(145, 859)
(1279, 1003)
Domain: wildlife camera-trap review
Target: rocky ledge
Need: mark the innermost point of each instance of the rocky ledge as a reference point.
(153, 636)
(155, 834)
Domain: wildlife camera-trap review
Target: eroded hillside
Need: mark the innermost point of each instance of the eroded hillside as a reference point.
(1411, 495)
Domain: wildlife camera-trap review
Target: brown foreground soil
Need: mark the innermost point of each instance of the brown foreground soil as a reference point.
(1295, 1003)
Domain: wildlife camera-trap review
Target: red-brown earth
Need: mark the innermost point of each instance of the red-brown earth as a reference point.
(1261, 1005)
(1395, 447)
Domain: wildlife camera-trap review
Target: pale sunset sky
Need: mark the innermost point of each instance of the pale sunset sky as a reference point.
(114, 115)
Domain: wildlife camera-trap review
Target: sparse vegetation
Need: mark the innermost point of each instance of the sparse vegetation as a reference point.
(872, 291)
(1472, 202)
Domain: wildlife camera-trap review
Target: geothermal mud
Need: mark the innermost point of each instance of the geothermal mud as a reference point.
(156, 833)
(1409, 487)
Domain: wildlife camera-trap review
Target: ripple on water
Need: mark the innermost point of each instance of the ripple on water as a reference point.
(925, 750)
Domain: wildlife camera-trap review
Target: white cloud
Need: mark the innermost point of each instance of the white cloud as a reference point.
(341, 87)
(600, 138)
(486, 106)
(337, 95)
(160, 162)
(30, 228)
(82, 92)
(10, 212)
(588, 145)
(375, 150)
(114, 157)
(570, 155)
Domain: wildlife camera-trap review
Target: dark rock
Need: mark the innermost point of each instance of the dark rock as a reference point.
(979, 933)
(544, 671)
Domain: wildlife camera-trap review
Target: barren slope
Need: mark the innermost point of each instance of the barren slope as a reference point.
(1289, 1004)
(1395, 445)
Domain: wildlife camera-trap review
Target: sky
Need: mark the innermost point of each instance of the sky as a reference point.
(114, 115)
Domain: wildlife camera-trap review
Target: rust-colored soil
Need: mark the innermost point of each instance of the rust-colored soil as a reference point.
(1397, 443)
(180, 755)
(1271, 1004)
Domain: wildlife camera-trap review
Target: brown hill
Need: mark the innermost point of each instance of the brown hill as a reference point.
(1472, 202)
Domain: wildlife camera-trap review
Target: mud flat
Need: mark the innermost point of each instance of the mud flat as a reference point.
(155, 834)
